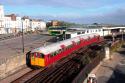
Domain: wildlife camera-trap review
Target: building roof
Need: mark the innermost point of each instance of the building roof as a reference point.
(13, 17)
(25, 17)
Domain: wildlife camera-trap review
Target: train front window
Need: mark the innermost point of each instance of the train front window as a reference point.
(32, 54)
(41, 55)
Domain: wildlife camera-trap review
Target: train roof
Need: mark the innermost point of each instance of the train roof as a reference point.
(56, 46)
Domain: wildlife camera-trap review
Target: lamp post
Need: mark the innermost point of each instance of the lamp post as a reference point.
(22, 38)
(122, 34)
(103, 32)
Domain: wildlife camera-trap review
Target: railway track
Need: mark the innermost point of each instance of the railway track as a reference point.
(67, 68)
(58, 73)
(26, 76)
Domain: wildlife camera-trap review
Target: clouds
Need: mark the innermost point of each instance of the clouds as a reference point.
(82, 11)
(64, 3)
(115, 17)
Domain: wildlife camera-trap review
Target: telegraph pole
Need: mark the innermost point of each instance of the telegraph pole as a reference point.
(122, 34)
(22, 39)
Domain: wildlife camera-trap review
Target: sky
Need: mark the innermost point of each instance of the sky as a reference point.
(78, 11)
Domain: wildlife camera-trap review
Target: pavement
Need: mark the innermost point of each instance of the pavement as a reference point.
(13, 46)
(105, 69)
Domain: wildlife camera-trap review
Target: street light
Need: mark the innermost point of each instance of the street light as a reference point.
(122, 34)
(103, 32)
(22, 38)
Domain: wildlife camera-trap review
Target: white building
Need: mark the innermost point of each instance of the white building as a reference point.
(18, 23)
(12, 23)
(37, 24)
(26, 24)
(42, 25)
(8, 24)
(2, 31)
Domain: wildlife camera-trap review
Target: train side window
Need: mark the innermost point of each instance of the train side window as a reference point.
(78, 33)
(59, 51)
(83, 32)
(70, 46)
(67, 48)
(87, 31)
(78, 42)
(53, 54)
(64, 48)
(56, 52)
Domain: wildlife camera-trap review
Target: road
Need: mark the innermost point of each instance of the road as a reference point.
(11, 47)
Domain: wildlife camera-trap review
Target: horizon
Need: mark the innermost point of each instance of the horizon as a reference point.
(82, 12)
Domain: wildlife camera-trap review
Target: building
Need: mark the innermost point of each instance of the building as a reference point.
(55, 23)
(2, 31)
(26, 24)
(42, 25)
(12, 23)
(19, 23)
(37, 24)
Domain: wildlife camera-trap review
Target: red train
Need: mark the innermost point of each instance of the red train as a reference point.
(46, 55)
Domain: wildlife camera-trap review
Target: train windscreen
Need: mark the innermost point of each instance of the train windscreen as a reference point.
(38, 55)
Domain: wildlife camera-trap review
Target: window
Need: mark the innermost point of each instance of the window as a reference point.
(60, 50)
(41, 55)
(99, 30)
(53, 54)
(32, 54)
(78, 42)
(87, 31)
(83, 32)
(70, 46)
(78, 33)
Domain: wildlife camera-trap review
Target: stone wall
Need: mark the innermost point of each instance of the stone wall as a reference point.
(10, 65)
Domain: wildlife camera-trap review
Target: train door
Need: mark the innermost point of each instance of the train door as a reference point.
(28, 59)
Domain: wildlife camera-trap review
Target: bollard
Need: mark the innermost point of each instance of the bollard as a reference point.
(107, 53)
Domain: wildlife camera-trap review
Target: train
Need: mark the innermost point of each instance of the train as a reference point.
(47, 55)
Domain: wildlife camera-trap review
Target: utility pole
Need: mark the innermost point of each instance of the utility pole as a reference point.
(22, 38)
(122, 34)
(103, 32)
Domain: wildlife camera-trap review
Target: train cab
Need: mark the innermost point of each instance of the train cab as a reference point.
(37, 59)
